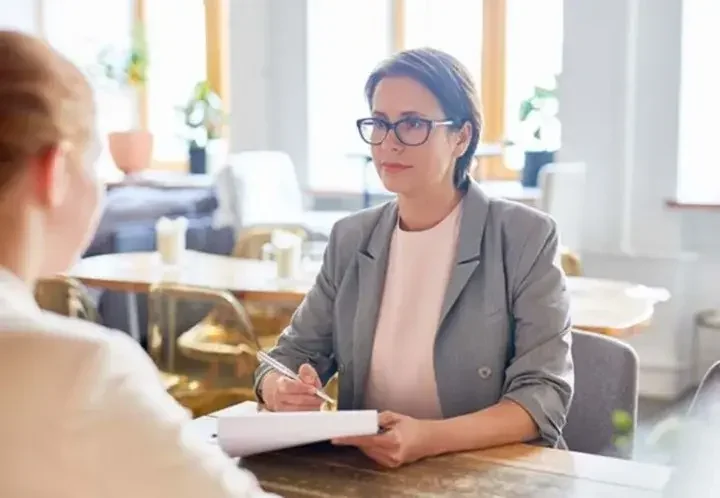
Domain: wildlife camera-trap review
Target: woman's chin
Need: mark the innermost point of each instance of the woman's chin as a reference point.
(396, 185)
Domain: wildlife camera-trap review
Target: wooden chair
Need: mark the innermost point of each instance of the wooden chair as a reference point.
(66, 296)
(195, 357)
(571, 263)
(268, 319)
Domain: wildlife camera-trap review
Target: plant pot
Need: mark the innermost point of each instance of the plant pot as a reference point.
(131, 150)
(198, 160)
(534, 162)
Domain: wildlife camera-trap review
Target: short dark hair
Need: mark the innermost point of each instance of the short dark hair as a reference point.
(451, 84)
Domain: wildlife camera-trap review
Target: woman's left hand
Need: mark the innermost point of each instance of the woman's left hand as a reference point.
(401, 442)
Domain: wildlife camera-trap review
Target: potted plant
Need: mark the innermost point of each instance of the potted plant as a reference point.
(203, 118)
(130, 149)
(539, 130)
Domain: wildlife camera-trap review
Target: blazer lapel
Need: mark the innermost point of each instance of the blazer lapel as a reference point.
(475, 206)
(372, 266)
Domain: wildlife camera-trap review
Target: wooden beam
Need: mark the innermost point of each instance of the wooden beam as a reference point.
(143, 102)
(492, 86)
(217, 43)
(398, 25)
(139, 18)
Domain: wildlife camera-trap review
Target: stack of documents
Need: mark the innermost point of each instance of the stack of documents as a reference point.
(242, 430)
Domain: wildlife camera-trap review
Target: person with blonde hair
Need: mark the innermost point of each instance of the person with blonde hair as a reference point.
(82, 410)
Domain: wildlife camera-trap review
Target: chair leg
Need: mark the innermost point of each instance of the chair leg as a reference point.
(213, 373)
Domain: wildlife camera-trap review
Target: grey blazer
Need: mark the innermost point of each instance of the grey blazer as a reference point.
(505, 324)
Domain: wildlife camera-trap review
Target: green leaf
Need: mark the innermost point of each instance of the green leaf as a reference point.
(526, 107)
(622, 421)
(544, 93)
(204, 111)
(622, 442)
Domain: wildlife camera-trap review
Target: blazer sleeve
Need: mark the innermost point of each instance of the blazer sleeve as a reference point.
(308, 338)
(129, 437)
(540, 374)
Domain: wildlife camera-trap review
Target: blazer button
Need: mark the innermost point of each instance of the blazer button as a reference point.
(341, 368)
(484, 372)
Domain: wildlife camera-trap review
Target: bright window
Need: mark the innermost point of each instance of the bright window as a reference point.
(698, 168)
(534, 38)
(454, 26)
(81, 37)
(346, 40)
(177, 62)
(21, 16)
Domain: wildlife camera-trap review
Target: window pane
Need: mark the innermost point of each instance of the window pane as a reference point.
(346, 40)
(21, 16)
(698, 172)
(177, 61)
(81, 37)
(533, 58)
(454, 26)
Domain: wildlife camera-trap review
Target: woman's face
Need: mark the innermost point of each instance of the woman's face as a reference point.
(419, 167)
(71, 219)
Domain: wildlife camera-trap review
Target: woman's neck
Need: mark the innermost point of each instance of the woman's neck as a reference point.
(425, 210)
(16, 253)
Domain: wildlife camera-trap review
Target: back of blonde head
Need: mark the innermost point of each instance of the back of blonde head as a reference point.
(44, 101)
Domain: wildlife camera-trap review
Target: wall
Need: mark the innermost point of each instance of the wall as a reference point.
(20, 15)
(619, 94)
(268, 81)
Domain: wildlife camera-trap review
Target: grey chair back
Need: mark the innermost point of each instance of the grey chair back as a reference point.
(707, 393)
(606, 380)
(696, 452)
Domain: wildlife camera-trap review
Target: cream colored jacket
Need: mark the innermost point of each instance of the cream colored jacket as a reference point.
(83, 414)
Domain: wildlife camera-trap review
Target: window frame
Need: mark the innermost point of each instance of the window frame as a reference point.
(217, 56)
(492, 85)
(217, 66)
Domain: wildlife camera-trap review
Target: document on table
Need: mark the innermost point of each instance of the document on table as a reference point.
(242, 430)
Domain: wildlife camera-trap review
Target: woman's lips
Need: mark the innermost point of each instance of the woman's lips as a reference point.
(394, 167)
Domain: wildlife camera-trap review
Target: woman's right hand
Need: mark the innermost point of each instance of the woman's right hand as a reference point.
(282, 394)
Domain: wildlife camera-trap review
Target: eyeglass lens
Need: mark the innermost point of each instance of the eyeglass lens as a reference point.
(409, 131)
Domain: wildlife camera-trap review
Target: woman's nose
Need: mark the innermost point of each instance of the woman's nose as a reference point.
(391, 142)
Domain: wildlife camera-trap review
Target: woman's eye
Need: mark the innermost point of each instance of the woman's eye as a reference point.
(413, 123)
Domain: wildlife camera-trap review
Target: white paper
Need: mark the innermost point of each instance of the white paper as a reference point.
(243, 431)
(204, 429)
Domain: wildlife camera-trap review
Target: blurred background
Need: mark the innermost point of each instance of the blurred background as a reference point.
(266, 92)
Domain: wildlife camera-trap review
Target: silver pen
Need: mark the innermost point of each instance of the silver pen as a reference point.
(282, 369)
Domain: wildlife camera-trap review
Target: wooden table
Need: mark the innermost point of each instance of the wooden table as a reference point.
(509, 472)
(133, 272)
(607, 306)
(137, 271)
(612, 307)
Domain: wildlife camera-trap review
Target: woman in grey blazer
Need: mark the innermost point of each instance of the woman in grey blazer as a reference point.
(444, 309)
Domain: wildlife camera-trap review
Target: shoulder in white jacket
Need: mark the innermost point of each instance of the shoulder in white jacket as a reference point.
(83, 413)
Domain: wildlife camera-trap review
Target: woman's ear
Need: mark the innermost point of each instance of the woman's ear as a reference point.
(463, 139)
(51, 175)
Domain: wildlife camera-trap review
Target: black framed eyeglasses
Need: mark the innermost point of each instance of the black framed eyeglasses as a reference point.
(409, 131)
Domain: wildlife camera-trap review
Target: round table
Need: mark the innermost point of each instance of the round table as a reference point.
(602, 305)
(247, 279)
